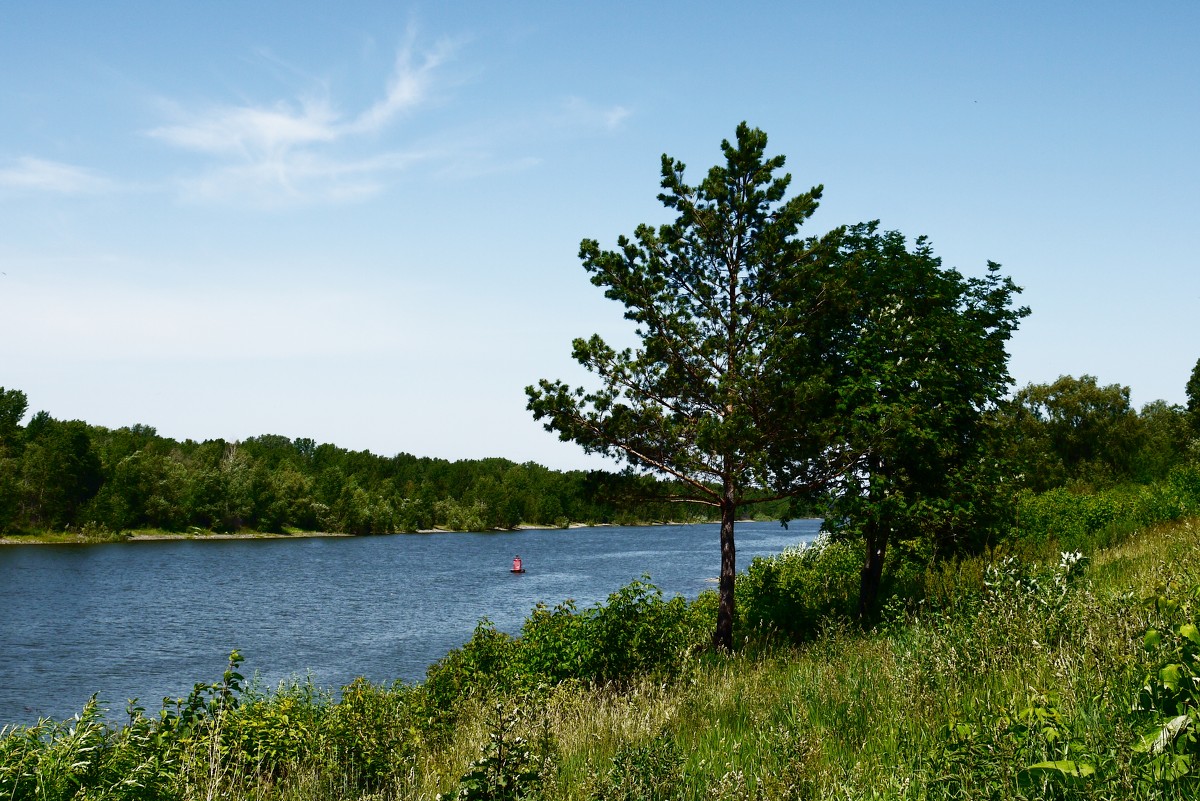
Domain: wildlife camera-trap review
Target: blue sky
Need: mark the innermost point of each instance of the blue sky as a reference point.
(359, 223)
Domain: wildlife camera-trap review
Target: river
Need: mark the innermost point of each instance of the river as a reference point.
(148, 619)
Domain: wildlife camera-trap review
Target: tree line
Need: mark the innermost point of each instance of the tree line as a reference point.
(63, 474)
(67, 475)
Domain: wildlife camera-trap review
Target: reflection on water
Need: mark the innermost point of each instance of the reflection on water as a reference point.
(149, 619)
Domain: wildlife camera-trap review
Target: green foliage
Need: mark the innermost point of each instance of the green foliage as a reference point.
(802, 589)
(640, 771)
(206, 704)
(372, 731)
(144, 759)
(60, 471)
(85, 758)
(923, 368)
(1168, 704)
(508, 769)
(271, 733)
(1166, 441)
(555, 643)
(479, 668)
(61, 476)
(1075, 432)
(637, 633)
(1077, 520)
(13, 405)
(1193, 398)
(634, 634)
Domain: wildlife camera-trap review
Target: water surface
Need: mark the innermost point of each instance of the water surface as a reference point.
(149, 619)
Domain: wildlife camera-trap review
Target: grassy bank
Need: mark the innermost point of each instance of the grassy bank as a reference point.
(1009, 679)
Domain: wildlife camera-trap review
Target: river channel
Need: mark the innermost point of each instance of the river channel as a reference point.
(149, 619)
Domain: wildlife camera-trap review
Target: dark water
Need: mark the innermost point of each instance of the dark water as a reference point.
(149, 619)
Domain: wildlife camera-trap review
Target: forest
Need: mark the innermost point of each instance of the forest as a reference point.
(66, 475)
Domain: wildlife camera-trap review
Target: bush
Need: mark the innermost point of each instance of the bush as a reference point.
(83, 758)
(508, 769)
(1072, 521)
(635, 633)
(371, 731)
(482, 666)
(274, 733)
(653, 769)
(802, 588)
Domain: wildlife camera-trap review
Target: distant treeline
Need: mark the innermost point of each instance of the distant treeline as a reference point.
(1074, 434)
(59, 474)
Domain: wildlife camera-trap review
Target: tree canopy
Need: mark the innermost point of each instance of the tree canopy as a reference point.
(924, 367)
(56, 475)
(715, 396)
(1193, 397)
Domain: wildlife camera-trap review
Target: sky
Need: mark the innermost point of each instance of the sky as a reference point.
(360, 222)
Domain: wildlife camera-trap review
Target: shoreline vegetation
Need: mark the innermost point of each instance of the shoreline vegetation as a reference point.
(68, 481)
(91, 537)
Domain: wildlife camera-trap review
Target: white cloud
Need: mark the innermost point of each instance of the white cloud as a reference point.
(253, 133)
(580, 112)
(407, 88)
(40, 175)
(296, 178)
(300, 150)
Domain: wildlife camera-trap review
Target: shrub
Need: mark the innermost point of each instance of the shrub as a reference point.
(508, 769)
(1073, 520)
(801, 589)
(371, 731)
(635, 633)
(482, 666)
(653, 769)
(1168, 703)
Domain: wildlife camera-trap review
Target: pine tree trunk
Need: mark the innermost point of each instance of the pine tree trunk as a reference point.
(723, 636)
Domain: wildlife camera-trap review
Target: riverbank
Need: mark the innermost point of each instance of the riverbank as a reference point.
(93, 537)
(150, 535)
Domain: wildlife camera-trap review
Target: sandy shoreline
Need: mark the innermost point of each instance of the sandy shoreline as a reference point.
(152, 536)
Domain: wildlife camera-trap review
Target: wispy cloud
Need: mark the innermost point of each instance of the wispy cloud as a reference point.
(407, 88)
(579, 112)
(39, 175)
(304, 149)
(297, 177)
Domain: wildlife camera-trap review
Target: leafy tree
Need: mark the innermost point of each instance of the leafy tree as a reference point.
(13, 406)
(924, 366)
(1074, 430)
(60, 471)
(1164, 437)
(728, 392)
(1193, 398)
